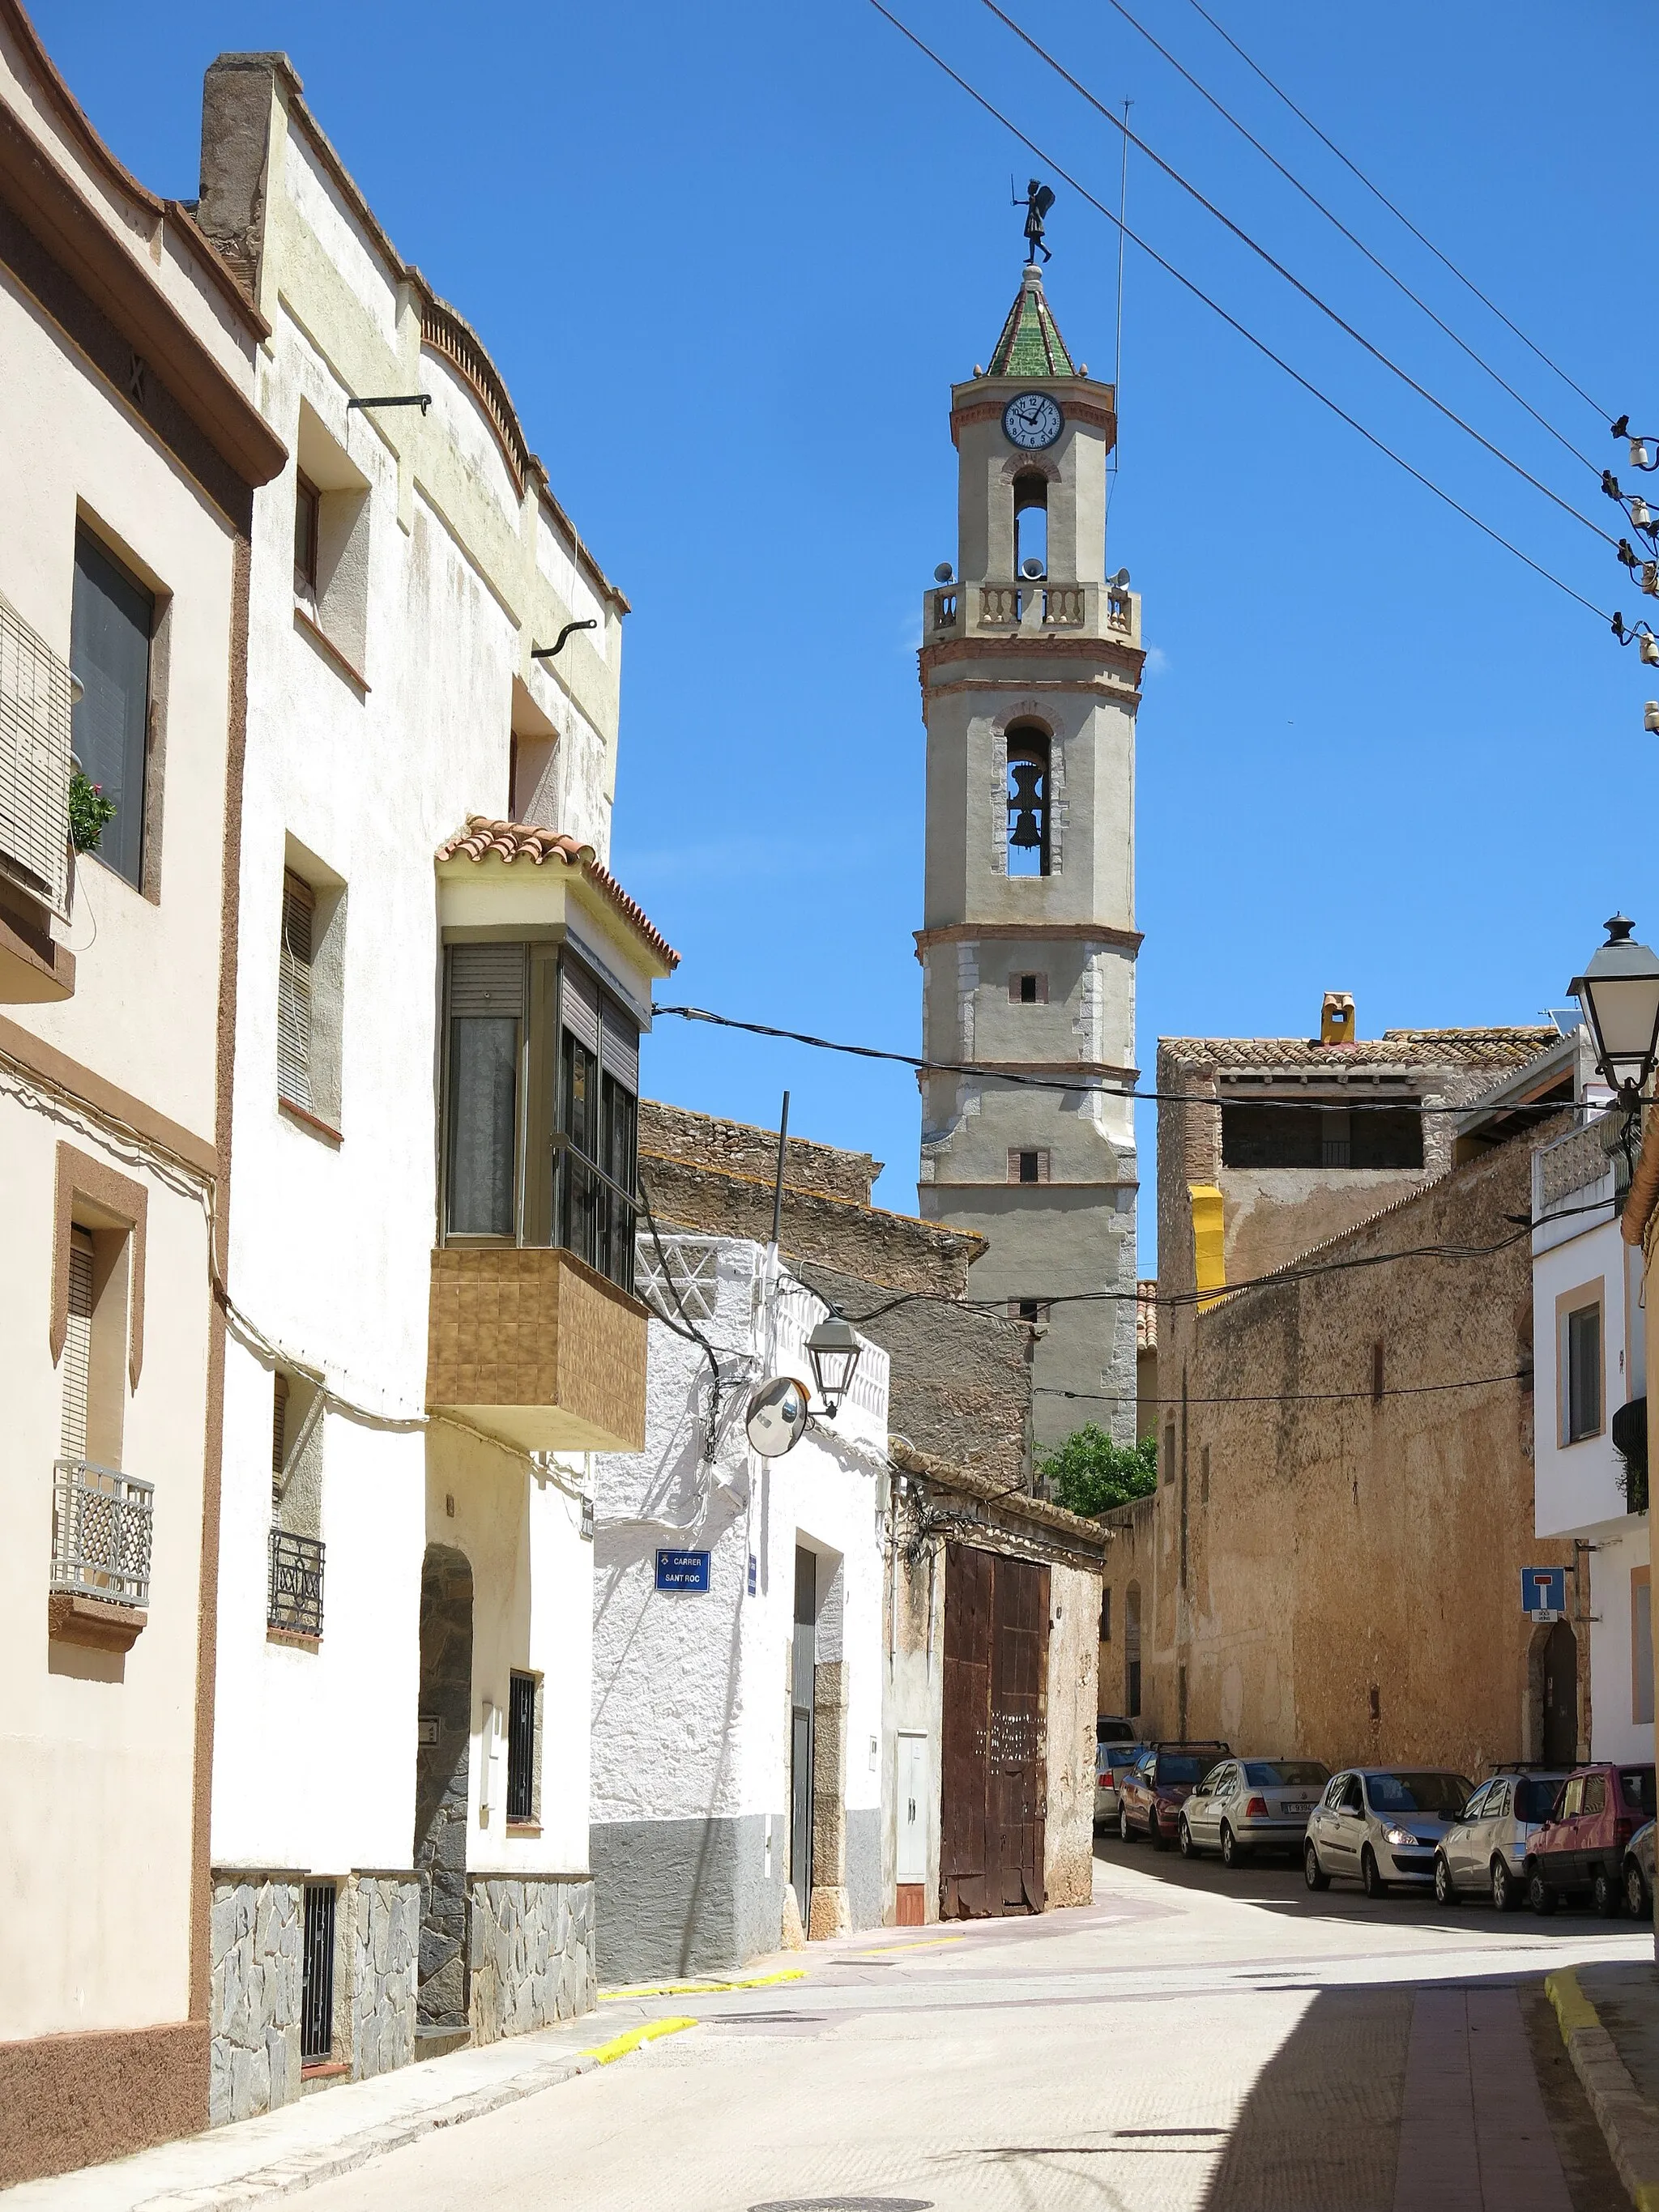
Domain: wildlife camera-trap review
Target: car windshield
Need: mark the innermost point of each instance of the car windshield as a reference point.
(1122, 1754)
(1175, 1766)
(1285, 1774)
(1443, 1793)
(1638, 1784)
(1534, 1793)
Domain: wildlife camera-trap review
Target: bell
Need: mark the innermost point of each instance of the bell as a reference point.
(1025, 831)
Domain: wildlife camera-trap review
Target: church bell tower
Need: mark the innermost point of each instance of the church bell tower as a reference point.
(1030, 678)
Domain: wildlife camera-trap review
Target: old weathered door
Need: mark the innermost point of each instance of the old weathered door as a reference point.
(994, 1751)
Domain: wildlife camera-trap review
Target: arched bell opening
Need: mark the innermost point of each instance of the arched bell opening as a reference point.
(1028, 809)
(1031, 525)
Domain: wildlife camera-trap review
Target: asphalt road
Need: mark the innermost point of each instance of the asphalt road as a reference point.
(1192, 2039)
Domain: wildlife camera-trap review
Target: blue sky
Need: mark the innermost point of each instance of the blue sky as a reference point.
(729, 260)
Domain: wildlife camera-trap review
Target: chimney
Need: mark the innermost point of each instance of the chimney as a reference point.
(1336, 1018)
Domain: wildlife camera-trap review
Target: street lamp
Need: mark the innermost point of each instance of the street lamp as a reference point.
(834, 1348)
(1619, 992)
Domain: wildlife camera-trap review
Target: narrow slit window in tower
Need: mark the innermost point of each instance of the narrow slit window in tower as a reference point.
(1031, 526)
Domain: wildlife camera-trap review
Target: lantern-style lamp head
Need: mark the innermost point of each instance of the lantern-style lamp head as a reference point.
(1619, 992)
(834, 1348)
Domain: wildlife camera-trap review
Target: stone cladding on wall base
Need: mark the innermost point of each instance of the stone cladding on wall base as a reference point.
(530, 1952)
(385, 1939)
(253, 2063)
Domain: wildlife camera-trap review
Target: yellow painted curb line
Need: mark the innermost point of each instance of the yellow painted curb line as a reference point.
(702, 1988)
(619, 2045)
(1572, 2008)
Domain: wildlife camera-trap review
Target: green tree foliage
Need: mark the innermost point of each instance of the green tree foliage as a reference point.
(1089, 1474)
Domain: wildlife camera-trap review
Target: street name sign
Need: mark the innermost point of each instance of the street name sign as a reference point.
(682, 1571)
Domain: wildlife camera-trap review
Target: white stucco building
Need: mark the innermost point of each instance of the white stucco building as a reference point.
(436, 1032)
(1590, 1394)
(737, 1716)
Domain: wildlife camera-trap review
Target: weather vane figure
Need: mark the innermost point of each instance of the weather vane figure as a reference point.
(1039, 199)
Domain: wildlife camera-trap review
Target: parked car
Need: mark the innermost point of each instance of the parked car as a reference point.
(1638, 1873)
(1151, 1793)
(1110, 1727)
(1382, 1826)
(1581, 1846)
(1486, 1849)
(1110, 1760)
(1251, 1804)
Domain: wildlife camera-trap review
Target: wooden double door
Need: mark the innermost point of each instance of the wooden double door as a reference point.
(994, 1781)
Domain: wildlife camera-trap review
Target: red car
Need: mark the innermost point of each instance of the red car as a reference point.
(1581, 1847)
(1151, 1792)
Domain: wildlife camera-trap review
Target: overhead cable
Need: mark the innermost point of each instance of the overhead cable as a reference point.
(1377, 193)
(1296, 282)
(1376, 260)
(1106, 1089)
(1232, 321)
(1282, 1397)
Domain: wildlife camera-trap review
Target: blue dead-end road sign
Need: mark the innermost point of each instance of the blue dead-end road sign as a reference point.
(1544, 1592)
(682, 1571)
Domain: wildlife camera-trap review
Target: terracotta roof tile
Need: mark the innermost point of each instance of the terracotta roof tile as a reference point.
(1459, 1048)
(509, 842)
(1146, 1315)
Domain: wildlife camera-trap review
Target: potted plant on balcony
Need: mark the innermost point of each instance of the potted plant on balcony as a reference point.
(90, 812)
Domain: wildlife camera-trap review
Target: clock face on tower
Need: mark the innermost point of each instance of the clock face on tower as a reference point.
(1032, 420)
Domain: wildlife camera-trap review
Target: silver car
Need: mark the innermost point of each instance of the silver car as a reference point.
(1251, 1804)
(1486, 1849)
(1110, 1760)
(1382, 1826)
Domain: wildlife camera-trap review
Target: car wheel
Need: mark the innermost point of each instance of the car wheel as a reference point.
(1370, 1874)
(1230, 1851)
(1607, 1894)
(1504, 1895)
(1188, 1848)
(1312, 1873)
(1444, 1891)
(1155, 1834)
(1540, 1895)
(1124, 1833)
(1636, 1892)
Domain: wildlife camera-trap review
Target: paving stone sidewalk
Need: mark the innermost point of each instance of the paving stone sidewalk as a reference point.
(1609, 2017)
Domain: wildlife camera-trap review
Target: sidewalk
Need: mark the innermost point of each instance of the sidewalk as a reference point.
(334, 2129)
(1609, 2018)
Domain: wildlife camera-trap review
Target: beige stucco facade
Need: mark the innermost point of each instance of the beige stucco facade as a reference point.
(128, 438)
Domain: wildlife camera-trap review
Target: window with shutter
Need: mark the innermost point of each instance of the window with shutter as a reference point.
(293, 993)
(599, 1114)
(111, 619)
(486, 1018)
(78, 1348)
(278, 1430)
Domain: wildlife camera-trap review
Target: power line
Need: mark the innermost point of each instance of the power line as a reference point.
(1377, 262)
(1232, 321)
(1101, 1089)
(1377, 193)
(1295, 282)
(1283, 1397)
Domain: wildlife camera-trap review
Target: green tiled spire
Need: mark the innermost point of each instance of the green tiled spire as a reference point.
(1031, 345)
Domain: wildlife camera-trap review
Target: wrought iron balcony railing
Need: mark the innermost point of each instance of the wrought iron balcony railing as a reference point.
(295, 1598)
(101, 1526)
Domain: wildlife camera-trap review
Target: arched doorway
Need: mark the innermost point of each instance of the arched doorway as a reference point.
(443, 1743)
(1560, 1696)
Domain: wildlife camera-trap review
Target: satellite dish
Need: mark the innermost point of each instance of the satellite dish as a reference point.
(776, 1420)
(1120, 582)
(942, 574)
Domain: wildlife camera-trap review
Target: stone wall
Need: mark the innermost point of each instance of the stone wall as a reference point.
(530, 1952)
(440, 1786)
(254, 2017)
(702, 1140)
(379, 2003)
(1334, 1573)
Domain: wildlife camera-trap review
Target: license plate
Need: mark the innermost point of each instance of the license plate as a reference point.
(1298, 1809)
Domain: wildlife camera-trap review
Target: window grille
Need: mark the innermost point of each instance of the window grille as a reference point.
(294, 1597)
(78, 1348)
(316, 1976)
(35, 722)
(521, 1748)
(101, 1529)
(294, 1008)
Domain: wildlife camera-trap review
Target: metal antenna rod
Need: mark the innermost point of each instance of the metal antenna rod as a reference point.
(777, 1188)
